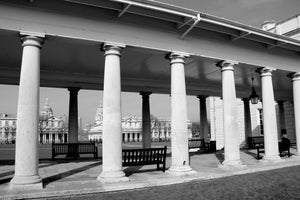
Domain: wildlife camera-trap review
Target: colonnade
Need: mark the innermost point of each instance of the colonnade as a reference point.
(26, 165)
(133, 137)
(47, 138)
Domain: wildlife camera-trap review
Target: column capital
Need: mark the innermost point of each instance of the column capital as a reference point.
(73, 90)
(295, 76)
(265, 71)
(280, 101)
(32, 40)
(145, 94)
(177, 57)
(245, 100)
(112, 48)
(200, 97)
(227, 65)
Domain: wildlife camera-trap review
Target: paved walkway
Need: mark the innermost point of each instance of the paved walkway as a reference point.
(68, 177)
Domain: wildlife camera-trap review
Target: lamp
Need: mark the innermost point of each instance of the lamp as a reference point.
(253, 97)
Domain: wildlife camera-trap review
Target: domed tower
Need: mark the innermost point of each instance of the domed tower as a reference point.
(47, 110)
(99, 115)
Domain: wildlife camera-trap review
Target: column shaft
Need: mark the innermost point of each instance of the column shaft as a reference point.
(73, 115)
(269, 116)
(179, 142)
(296, 93)
(281, 117)
(247, 121)
(203, 118)
(112, 121)
(27, 153)
(146, 121)
(231, 134)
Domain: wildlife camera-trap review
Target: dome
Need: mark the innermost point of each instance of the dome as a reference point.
(47, 110)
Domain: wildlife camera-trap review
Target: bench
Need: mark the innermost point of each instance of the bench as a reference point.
(261, 149)
(145, 156)
(255, 140)
(74, 149)
(199, 143)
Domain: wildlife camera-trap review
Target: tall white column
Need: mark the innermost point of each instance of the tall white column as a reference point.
(146, 121)
(269, 115)
(180, 154)
(203, 118)
(73, 115)
(27, 153)
(230, 124)
(247, 121)
(112, 124)
(296, 93)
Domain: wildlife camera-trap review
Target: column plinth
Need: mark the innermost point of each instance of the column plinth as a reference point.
(27, 153)
(180, 154)
(269, 116)
(112, 117)
(230, 124)
(296, 94)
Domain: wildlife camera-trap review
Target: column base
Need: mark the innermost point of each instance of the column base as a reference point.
(232, 164)
(180, 171)
(297, 154)
(271, 159)
(26, 183)
(112, 177)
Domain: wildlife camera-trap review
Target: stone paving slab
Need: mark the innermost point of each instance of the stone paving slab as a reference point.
(67, 178)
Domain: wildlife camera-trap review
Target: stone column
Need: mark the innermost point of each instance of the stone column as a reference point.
(231, 134)
(27, 152)
(180, 154)
(146, 122)
(203, 118)
(73, 115)
(281, 117)
(126, 137)
(296, 93)
(247, 121)
(112, 116)
(269, 115)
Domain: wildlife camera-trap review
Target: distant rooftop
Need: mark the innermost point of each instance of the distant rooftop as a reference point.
(289, 27)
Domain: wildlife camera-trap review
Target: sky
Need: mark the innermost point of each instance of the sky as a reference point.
(250, 12)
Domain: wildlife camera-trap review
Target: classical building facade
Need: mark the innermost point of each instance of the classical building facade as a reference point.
(7, 128)
(53, 129)
(132, 128)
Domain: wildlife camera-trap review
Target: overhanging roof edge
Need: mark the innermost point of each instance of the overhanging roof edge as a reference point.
(184, 12)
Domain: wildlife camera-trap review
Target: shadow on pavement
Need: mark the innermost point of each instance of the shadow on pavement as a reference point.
(62, 175)
(254, 155)
(136, 169)
(220, 156)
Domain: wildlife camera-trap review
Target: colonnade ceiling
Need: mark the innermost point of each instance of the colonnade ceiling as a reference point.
(79, 63)
(75, 30)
